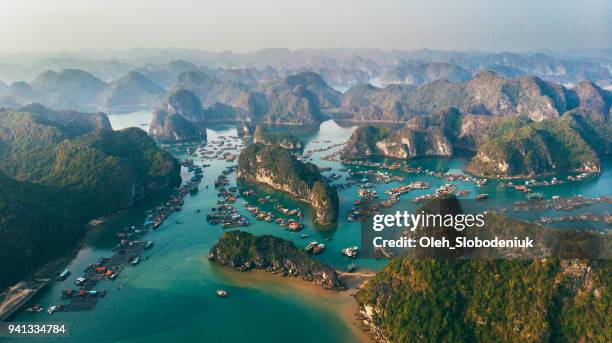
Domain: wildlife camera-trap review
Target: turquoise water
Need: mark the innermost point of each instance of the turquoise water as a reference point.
(171, 296)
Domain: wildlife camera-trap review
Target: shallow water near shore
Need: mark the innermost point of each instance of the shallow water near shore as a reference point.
(171, 296)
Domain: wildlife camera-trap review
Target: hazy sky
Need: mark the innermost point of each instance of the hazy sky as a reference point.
(245, 25)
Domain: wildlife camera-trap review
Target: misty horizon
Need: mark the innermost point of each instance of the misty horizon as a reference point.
(69, 26)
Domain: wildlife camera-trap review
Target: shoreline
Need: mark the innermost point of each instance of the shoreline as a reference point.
(342, 303)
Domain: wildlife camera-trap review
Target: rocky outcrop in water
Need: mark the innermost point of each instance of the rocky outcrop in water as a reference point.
(245, 251)
(172, 127)
(421, 136)
(503, 146)
(275, 167)
(181, 119)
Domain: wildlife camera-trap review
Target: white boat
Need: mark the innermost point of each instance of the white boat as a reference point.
(54, 308)
(310, 247)
(79, 281)
(135, 261)
(222, 293)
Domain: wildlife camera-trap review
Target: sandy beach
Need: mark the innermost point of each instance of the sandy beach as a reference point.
(342, 303)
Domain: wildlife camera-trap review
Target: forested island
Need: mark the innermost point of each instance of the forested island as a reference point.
(59, 170)
(275, 167)
(245, 251)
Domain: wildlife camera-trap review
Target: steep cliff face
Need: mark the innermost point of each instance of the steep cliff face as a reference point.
(408, 143)
(186, 104)
(592, 97)
(244, 251)
(433, 136)
(172, 127)
(182, 118)
(503, 146)
(284, 140)
(277, 168)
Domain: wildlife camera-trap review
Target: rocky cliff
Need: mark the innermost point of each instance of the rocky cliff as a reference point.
(277, 168)
(182, 118)
(245, 251)
(421, 136)
(172, 127)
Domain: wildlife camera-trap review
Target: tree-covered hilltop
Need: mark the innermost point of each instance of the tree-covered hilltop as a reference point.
(133, 89)
(57, 175)
(276, 167)
(489, 300)
(267, 137)
(486, 93)
(181, 118)
(37, 223)
(503, 146)
(519, 147)
(245, 251)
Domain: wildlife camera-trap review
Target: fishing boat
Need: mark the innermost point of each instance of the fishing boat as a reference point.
(318, 248)
(135, 260)
(79, 281)
(54, 308)
(63, 275)
(149, 245)
(351, 251)
(310, 247)
(482, 196)
(294, 226)
(34, 309)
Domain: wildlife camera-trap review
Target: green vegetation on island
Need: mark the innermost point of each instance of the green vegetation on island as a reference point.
(489, 300)
(58, 171)
(267, 137)
(275, 167)
(245, 251)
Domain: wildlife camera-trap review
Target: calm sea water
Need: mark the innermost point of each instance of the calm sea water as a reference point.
(171, 296)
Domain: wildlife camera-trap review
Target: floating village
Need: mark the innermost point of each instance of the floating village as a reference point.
(238, 207)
